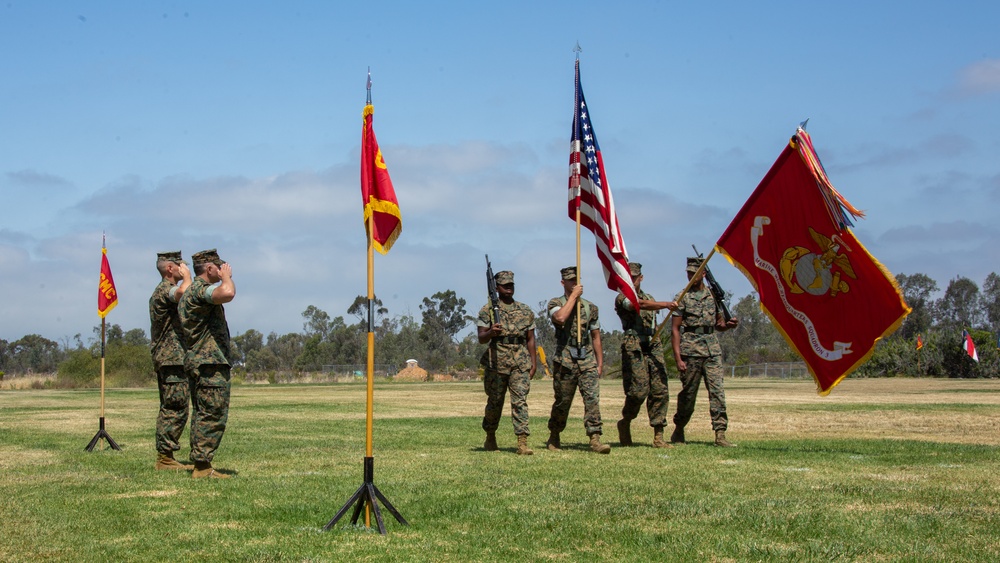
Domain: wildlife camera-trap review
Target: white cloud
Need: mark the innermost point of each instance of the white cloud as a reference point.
(981, 77)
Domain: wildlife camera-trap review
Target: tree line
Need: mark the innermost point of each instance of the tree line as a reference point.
(434, 340)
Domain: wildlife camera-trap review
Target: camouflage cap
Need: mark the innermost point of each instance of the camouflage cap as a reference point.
(210, 256)
(174, 257)
(694, 264)
(635, 269)
(568, 273)
(503, 277)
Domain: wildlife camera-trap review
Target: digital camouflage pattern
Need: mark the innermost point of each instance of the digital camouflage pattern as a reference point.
(644, 373)
(698, 309)
(175, 405)
(566, 334)
(206, 333)
(513, 364)
(711, 369)
(165, 334)
(703, 356)
(211, 410)
(516, 319)
(569, 374)
(167, 349)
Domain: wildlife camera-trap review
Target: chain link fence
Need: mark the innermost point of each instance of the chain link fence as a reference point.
(360, 370)
(780, 370)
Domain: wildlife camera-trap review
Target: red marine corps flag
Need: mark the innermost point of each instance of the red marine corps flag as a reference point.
(377, 195)
(107, 295)
(828, 296)
(590, 200)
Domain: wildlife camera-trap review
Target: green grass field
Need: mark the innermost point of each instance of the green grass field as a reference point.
(880, 470)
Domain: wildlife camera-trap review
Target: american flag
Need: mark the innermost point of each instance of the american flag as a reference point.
(590, 193)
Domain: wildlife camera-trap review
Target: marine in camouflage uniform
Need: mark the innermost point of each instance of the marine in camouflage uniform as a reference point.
(509, 362)
(167, 349)
(699, 356)
(577, 362)
(644, 375)
(206, 335)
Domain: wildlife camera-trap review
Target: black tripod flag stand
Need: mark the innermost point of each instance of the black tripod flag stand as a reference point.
(107, 298)
(382, 221)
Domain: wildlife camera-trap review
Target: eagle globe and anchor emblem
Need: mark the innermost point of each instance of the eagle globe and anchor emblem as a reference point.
(816, 273)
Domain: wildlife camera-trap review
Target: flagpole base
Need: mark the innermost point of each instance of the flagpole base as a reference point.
(102, 433)
(366, 495)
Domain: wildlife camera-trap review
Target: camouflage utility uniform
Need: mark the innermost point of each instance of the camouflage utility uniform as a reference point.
(507, 365)
(700, 350)
(569, 373)
(644, 374)
(206, 334)
(167, 349)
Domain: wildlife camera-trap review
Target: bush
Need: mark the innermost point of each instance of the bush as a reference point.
(79, 369)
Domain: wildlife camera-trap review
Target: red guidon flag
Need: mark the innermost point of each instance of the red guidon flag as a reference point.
(828, 296)
(377, 194)
(590, 194)
(107, 295)
(968, 346)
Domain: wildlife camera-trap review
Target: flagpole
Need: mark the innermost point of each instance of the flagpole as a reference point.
(704, 264)
(368, 495)
(103, 323)
(579, 322)
(102, 433)
(371, 352)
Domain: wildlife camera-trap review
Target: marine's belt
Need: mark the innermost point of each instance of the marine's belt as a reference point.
(698, 329)
(512, 340)
(645, 331)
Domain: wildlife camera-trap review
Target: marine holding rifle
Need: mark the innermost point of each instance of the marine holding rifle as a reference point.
(509, 363)
(698, 316)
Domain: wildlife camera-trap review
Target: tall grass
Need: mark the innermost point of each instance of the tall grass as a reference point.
(880, 470)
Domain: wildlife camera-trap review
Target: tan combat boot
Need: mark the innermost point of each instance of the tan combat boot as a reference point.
(625, 432)
(658, 438)
(678, 435)
(597, 446)
(720, 440)
(553, 442)
(491, 441)
(522, 445)
(167, 461)
(204, 470)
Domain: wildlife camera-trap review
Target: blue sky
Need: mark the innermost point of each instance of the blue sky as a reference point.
(236, 125)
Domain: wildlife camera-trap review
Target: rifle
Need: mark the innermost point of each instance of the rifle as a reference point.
(716, 289)
(491, 289)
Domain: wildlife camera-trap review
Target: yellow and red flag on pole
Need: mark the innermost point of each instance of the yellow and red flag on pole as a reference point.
(107, 295)
(377, 194)
(829, 298)
(920, 342)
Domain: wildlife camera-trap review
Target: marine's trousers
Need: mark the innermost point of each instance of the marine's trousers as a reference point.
(644, 378)
(566, 378)
(709, 369)
(175, 403)
(496, 385)
(210, 399)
